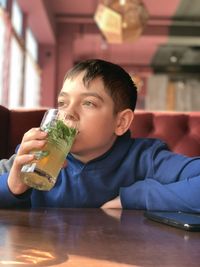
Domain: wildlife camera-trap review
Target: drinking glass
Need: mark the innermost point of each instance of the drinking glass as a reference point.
(42, 172)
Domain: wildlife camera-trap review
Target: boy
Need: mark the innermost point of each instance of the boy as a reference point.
(106, 168)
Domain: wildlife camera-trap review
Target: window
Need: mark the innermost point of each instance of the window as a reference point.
(14, 84)
(19, 70)
(17, 18)
(32, 72)
(31, 83)
(15, 74)
(31, 45)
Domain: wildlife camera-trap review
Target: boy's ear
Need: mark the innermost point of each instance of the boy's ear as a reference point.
(124, 120)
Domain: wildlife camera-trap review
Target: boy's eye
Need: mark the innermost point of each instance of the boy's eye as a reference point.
(61, 103)
(89, 103)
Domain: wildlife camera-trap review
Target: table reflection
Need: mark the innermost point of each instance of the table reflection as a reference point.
(92, 237)
(46, 237)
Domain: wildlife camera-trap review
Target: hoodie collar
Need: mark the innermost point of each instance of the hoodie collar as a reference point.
(112, 157)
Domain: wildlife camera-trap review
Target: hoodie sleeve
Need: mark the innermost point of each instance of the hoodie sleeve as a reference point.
(8, 200)
(174, 184)
(6, 164)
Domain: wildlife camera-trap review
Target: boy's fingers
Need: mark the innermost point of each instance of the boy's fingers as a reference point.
(26, 147)
(23, 159)
(64, 164)
(34, 133)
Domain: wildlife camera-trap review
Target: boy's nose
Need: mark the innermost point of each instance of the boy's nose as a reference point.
(70, 112)
(70, 116)
(71, 120)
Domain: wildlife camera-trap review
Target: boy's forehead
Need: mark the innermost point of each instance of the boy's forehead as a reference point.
(76, 83)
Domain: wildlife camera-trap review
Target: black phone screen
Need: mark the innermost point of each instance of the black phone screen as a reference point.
(186, 221)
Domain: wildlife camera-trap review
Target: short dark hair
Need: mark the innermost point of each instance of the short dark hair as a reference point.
(118, 83)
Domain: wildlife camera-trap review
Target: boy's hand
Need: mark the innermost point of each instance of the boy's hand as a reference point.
(113, 204)
(64, 164)
(33, 139)
(114, 213)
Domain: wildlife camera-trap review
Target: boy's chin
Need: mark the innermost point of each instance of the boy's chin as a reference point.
(74, 149)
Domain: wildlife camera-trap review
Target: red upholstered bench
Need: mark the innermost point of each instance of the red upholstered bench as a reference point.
(14, 123)
(181, 131)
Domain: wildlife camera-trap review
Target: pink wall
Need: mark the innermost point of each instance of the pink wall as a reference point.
(64, 41)
(48, 78)
(65, 52)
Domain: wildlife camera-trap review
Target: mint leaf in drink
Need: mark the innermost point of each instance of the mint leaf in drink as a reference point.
(58, 130)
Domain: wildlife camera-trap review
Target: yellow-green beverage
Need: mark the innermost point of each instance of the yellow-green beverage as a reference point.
(43, 171)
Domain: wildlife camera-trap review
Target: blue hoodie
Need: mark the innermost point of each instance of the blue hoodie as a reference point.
(143, 172)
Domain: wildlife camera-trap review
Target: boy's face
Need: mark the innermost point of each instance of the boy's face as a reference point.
(92, 108)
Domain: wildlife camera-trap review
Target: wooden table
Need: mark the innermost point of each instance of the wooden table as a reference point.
(91, 238)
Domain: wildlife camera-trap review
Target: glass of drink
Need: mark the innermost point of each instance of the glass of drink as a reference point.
(42, 172)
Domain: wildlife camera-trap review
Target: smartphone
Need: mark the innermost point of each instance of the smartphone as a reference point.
(182, 220)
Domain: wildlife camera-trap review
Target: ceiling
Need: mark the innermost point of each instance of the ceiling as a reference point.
(173, 30)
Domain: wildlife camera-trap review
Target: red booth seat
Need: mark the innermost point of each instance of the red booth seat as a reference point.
(181, 131)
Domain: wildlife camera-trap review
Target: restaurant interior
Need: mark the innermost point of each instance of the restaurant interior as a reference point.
(157, 42)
